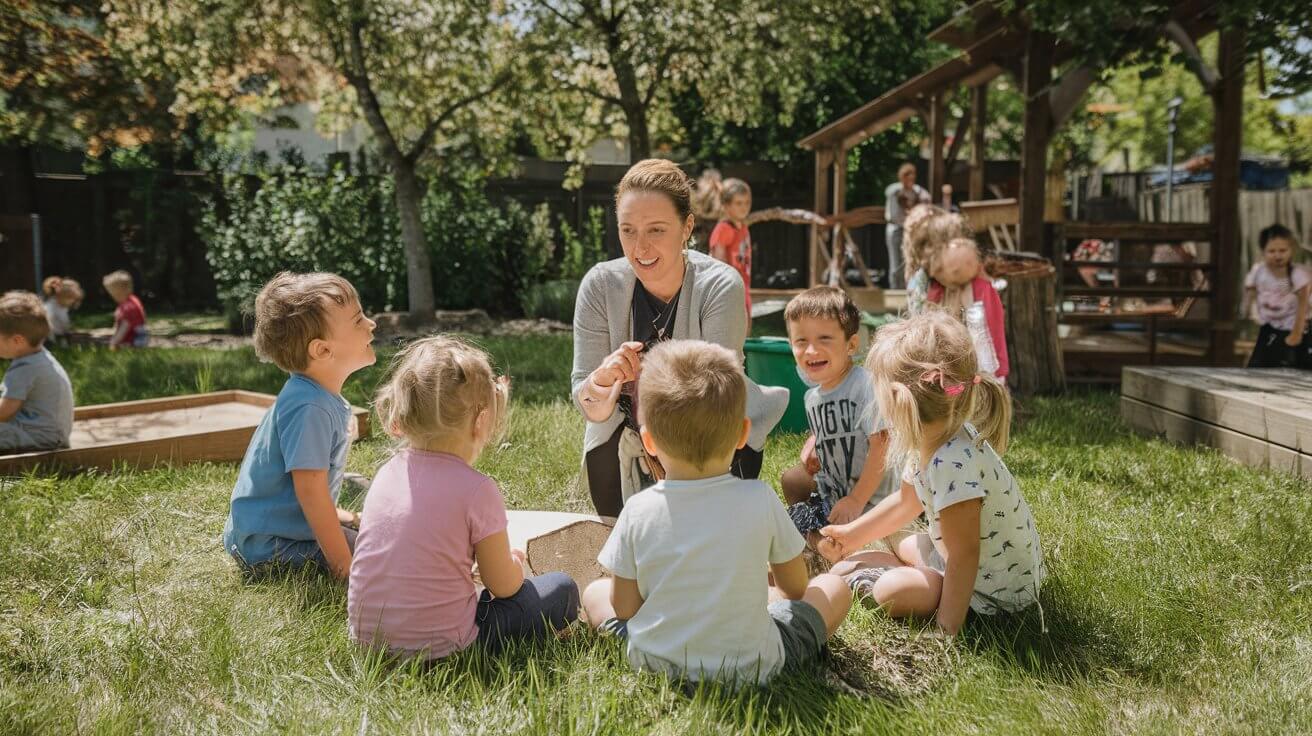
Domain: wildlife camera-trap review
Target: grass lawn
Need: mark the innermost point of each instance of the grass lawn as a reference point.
(1179, 599)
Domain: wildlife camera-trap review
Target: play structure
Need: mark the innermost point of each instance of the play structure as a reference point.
(1053, 80)
(178, 429)
(1260, 417)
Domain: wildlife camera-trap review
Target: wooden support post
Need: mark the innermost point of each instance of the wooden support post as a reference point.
(1227, 134)
(824, 159)
(1034, 144)
(837, 248)
(979, 98)
(937, 169)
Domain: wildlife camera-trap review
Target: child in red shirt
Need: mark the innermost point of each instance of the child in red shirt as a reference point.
(959, 285)
(129, 316)
(730, 241)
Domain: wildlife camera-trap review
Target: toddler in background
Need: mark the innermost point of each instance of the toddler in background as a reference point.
(129, 316)
(928, 229)
(1278, 288)
(730, 241)
(62, 295)
(958, 285)
(430, 516)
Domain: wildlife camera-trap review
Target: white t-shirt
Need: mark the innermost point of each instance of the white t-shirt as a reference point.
(699, 551)
(57, 316)
(1010, 556)
(1277, 299)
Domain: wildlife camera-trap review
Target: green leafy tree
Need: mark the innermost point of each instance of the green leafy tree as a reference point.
(615, 68)
(428, 78)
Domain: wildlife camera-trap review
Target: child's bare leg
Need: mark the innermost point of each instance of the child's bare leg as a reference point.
(865, 559)
(908, 550)
(797, 484)
(909, 592)
(595, 603)
(830, 596)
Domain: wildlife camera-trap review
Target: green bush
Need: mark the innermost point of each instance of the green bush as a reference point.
(551, 300)
(484, 255)
(298, 221)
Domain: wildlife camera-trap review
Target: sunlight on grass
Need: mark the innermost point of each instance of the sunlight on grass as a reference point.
(1179, 599)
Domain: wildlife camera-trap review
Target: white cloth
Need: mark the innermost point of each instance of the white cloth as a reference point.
(57, 316)
(631, 453)
(699, 550)
(1277, 297)
(1010, 556)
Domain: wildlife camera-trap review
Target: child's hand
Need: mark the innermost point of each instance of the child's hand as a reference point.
(846, 509)
(519, 557)
(810, 460)
(833, 544)
(1293, 340)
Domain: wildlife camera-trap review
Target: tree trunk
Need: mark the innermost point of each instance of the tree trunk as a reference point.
(418, 266)
(635, 112)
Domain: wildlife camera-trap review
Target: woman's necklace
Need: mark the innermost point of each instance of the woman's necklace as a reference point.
(661, 322)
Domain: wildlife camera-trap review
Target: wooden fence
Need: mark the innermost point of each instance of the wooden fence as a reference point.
(1291, 208)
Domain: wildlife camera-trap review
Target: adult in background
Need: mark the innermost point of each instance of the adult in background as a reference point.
(659, 290)
(899, 198)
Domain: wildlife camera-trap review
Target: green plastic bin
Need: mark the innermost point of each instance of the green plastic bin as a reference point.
(770, 363)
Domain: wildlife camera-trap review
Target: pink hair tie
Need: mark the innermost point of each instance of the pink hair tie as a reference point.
(953, 390)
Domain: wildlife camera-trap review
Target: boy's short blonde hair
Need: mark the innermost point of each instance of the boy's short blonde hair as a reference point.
(291, 310)
(825, 302)
(436, 388)
(22, 313)
(119, 279)
(692, 397)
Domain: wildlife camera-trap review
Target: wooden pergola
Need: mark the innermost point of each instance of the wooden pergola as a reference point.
(1053, 84)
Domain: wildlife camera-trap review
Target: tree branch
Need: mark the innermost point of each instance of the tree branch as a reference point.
(357, 73)
(425, 138)
(661, 66)
(572, 22)
(1192, 58)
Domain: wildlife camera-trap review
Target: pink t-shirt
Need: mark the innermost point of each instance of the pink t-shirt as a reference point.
(1277, 296)
(412, 586)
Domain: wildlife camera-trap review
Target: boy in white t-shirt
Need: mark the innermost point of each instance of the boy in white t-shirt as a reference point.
(689, 554)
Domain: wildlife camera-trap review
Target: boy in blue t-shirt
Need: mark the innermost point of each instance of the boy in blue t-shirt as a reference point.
(843, 471)
(36, 398)
(284, 503)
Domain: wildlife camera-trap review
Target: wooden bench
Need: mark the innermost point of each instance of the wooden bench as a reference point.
(1259, 416)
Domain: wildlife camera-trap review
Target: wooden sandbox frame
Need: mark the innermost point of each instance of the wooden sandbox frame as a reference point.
(224, 444)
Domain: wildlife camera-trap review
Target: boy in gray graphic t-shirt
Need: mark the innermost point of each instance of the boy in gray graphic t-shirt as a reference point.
(36, 398)
(843, 471)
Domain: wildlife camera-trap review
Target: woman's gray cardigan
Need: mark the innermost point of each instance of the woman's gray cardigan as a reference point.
(712, 307)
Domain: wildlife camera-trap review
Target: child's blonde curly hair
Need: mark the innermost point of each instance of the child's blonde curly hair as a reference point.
(927, 229)
(437, 388)
(924, 370)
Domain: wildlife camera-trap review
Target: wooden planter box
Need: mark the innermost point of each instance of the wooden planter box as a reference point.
(179, 429)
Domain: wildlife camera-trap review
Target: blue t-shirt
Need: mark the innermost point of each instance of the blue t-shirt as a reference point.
(307, 428)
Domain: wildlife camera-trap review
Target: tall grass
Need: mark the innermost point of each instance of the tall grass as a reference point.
(1179, 600)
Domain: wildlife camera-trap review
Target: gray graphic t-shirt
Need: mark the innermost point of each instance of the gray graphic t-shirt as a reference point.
(842, 420)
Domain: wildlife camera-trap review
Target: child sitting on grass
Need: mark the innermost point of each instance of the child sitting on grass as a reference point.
(981, 551)
(284, 503)
(129, 316)
(842, 473)
(430, 516)
(1278, 287)
(62, 295)
(36, 398)
(689, 554)
(960, 286)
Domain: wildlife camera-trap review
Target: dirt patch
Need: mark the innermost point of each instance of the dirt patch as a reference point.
(896, 663)
(397, 326)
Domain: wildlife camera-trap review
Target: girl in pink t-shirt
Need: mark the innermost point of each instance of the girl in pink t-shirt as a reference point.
(1278, 288)
(430, 516)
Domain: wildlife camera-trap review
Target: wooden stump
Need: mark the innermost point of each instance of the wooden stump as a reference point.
(1030, 301)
